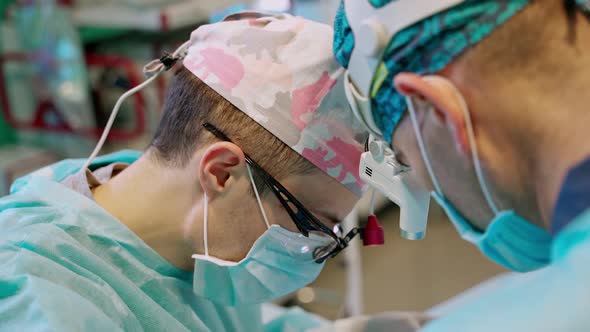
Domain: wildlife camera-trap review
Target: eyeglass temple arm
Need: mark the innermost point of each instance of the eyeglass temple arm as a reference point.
(343, 242)
(268, 179)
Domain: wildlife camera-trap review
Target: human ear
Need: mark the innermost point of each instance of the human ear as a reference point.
(222, 164)
(446, 102)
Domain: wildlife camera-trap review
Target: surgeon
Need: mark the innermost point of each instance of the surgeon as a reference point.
(235, 202)
(486, 103)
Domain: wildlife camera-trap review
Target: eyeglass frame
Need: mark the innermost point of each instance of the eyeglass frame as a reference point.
(309, 222)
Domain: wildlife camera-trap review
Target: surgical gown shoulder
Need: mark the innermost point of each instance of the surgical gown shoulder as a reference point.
(44, 283)
(67, 265)
(555, 298)
(61, 170)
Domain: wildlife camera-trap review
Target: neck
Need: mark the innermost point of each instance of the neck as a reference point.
(153, 202)
(566, 142)
(564, 146)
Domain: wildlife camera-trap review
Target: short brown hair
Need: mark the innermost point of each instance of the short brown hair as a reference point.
(524, 43)
(190, 103)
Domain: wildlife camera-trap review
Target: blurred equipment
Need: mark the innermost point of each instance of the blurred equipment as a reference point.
(43, 81)
(373, 28)
(50, 43)
(152, 15)
(63, 63)
(380, 169)
(16, 161)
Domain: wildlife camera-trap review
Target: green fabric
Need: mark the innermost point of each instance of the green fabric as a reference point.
(293, 320)
(3, 5)
(94, 35)
(7, 134)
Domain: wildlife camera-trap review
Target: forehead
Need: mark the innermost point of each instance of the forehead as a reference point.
(320, 193)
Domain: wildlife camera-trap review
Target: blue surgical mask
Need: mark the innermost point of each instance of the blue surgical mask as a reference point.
(280, 262)
(510, 240)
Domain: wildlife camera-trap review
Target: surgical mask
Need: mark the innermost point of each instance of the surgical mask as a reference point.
(509, 240)
(279, 262)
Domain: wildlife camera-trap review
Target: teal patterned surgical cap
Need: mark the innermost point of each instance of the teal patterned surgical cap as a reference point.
(423, 48)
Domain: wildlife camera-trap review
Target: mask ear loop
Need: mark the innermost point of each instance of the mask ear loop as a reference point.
(421, 145)
(472, 143)
(206, 212)
(258, 200)
(205, 221)
(475, 154)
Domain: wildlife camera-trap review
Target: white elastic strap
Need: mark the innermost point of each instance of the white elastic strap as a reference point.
(257, 196)
(360, 106)
(412, 110)
(475, 157)
(205, 221)
(179, 53)
(474, 152)
(114, 113)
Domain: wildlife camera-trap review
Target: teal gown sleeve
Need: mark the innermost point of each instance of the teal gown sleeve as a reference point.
(66, 265)
(27, 303)
(39, 291)
(556, 298)
(294, 320)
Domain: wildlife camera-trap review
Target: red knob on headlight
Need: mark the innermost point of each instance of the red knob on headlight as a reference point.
(373, 232)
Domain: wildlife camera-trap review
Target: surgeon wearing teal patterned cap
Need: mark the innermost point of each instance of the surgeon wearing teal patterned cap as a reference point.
(487, 103)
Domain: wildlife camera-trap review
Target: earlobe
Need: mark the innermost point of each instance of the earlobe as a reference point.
(446, 102)
(221, 164)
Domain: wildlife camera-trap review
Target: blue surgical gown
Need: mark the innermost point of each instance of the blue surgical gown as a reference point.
(68, 265)
(554, 299)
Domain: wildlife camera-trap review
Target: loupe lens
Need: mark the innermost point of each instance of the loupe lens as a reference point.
(317, 246)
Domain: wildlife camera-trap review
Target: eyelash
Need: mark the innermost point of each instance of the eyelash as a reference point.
(399, 158)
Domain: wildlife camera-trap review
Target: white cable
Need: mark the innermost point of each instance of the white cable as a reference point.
(257, 196)
(114, 113)
(179, 53)
(412, 110)
(205, 221)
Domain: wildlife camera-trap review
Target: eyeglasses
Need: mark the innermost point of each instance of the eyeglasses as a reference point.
(307, 224)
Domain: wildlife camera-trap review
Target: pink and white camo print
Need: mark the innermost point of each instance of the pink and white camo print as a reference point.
(280, 71)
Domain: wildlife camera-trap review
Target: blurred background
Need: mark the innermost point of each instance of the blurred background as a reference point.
(64, 63)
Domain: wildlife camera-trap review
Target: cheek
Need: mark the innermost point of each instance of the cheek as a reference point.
(420, 172)
(342, 200)
(277, 215)
(405, 142)
(232, 229)
(248, 221)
